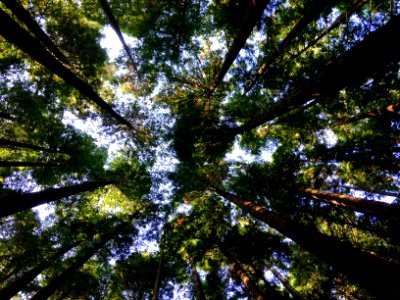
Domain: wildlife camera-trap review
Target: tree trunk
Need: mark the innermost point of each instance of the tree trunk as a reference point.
(285, 283)
(370, 207)
(22, 281)
(3, 115)
(114, 24)
(10, 143)
(339, 20)
(250, 20)
(24, 16)
(376, 274)
(392, 109)
(253, 289)
(33, 164)
(270, 292)
(16, 35)
(313, 13)
(196, 280)
(15, 203)
(58, 281)
(157, 283)
(348, 70)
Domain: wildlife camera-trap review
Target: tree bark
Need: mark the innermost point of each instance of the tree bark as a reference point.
(253, 289)
(348, 70)
(339, 20)
(285, 283)
(114, 24)
(19, 202)
(58, 281)
(27, 164)
(311, 14)
(250, 20)
(369, 207)
(24, 16)
(392, 109)
(376, 274)
(22, 281)
(196, 280)
(16, 35)
(11, 143)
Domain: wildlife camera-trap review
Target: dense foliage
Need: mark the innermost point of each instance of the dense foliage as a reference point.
(233, 149)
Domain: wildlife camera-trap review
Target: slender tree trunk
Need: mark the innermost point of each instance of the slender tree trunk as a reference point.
(16, 35)
(114, 24)
(270, 292)
(348, 70)
(81, 258)
(250, 20)
(11, 143)
(369, 207)
(22, 281)
(313, 13)
(376, 274)
(196, 280)
(392, 109)
(253, 289)
(157, 283)
(27, 164)
(285, 283)
(364, 190)
(24, 16)
(19, 202)
(339, 20)
(3, 115)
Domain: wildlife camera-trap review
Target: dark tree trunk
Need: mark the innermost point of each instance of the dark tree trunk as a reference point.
(370, 207)
(15, 203)
(17, 285)
(251, 287)
(348, 70)
(11, 143)
(250, 20)
(339, 20)
(3, 115)
(311, 14)
(114, 24)
(24, 16)
(16, 35)
(27, 164)
(58, 281)
(376, 274)
(196, 280)
(285, 283)
(392, 109)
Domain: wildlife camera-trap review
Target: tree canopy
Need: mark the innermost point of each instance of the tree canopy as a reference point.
(231, 149)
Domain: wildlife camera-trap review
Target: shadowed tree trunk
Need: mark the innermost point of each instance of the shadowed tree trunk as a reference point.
(376, 274)
(27, 164)
(196, 280)
(81, 258)
(369, 207)
(314, 11)
(24, 16)
(285, 283)
(14, 203)
(114, 24)
(250, 20)
(11, 143)
(348, 70)
(24, 279)
(252, 288)
(16, 35)
(392, 109)
(339, 20)
(3, 115)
